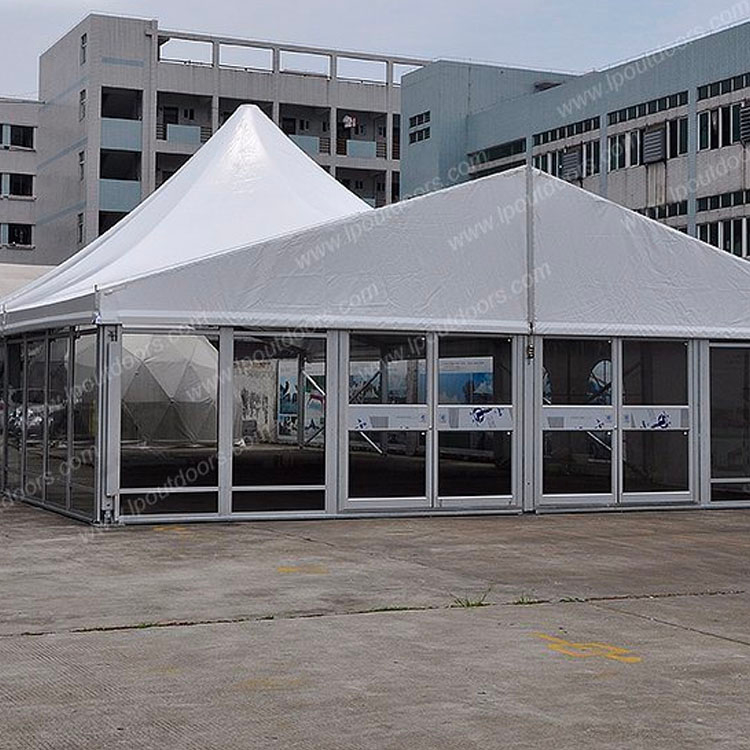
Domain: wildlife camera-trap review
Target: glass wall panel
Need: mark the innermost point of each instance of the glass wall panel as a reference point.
(36, 375)
(387, 369)
(387, 464)
(279, 418)
(475, 371)
(655, 373)
(730, 413)
(474, 464)
(57, 420)
(577, 463)
(292, 500)
(577, 372)
(156, 503)
(170, 389)
(15, 419)
(655, 461)
(3, 412)
(84, 399)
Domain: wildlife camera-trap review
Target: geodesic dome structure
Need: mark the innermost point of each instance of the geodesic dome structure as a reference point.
(169, 388)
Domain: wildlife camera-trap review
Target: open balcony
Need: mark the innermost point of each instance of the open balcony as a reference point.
(183, 119)
(362, 135)
(308, 127)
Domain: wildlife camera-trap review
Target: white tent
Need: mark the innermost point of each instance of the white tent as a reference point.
(248, 183)
(457, 259)
(13, 276)
(513, 343)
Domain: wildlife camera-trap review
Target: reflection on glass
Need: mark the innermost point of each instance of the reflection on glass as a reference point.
(387, 369)
(36, 364)
(655, 461)
(474, 464)
(57, 420)
(387, 464)
(578, 372)
(474, 370)
(654, 373)
(279, 421)
(170, 388)
(730, 412)
(730, 492)
(84, 405)
(577, 463)
(15, 420)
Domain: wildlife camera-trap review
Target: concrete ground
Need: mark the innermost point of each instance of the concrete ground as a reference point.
(598, 631)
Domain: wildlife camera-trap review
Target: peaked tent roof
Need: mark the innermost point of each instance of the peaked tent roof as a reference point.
(248, 183)
(459, 259)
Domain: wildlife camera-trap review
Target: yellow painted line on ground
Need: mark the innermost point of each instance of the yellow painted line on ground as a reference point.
(303, 569)
(589, 649)
(178, 530)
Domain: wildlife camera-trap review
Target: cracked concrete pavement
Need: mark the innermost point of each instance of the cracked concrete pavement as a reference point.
(597, 631)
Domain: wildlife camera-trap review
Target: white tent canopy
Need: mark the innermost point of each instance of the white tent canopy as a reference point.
(248, 183)
(458, 259)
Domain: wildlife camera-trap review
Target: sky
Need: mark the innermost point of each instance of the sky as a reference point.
(567, 35)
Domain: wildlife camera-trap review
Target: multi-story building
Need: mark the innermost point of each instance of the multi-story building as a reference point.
(18, 188)
(124, 104)
(665, 135)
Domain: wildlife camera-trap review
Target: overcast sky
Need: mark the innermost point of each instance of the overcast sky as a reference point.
(567, 35)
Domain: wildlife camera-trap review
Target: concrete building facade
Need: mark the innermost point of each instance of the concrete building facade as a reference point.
(124, 104)
(19, 121)
(665, 135)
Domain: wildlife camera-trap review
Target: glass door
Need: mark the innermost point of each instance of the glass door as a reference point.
(730, 424)
(388, 422)
(279, 426)
(576, 461)
(475, 422)
(657, 421)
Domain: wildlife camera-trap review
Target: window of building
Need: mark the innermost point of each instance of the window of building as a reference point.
(21, 136)
(729, 235)
(648, 108)
(19, 234)
(84, 43)
(719, 127)
(419, 135)
(501, 151)
(121, 104)
(81, 229)
(591, 158)
(82, 105)
(677, 137)
(21, 185)
(634, 148)
(421, 119)
(617, 151)
(576, 128)
(81, 165)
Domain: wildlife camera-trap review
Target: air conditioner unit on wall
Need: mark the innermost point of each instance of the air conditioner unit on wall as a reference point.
(655, 145)
(745, 123)
(572, 163)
